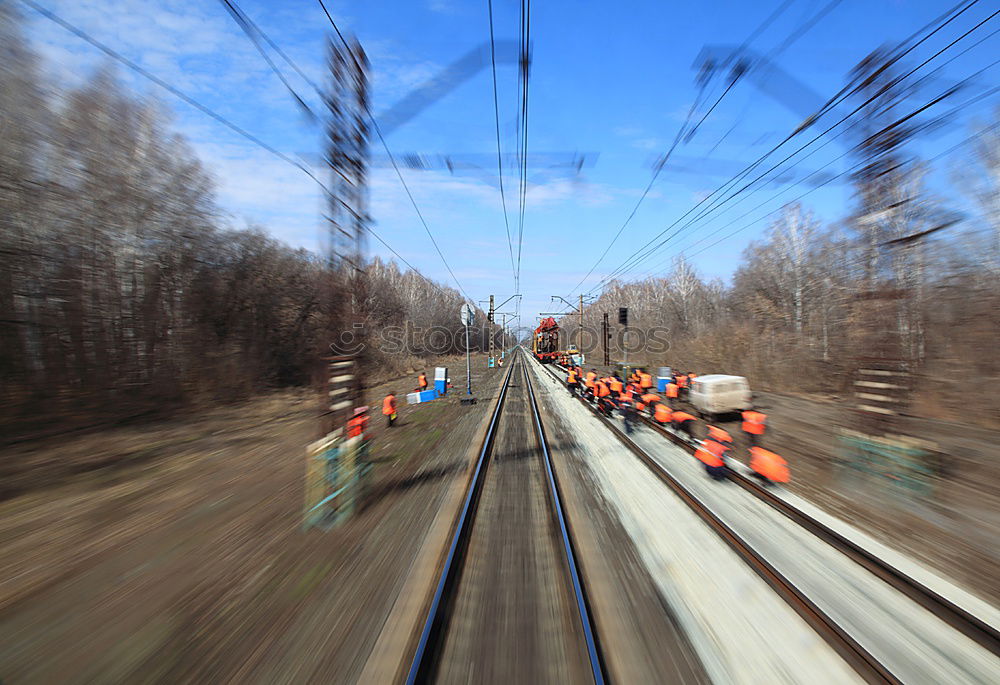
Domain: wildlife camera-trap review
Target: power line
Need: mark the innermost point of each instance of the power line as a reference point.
(962, 107)
(680, 133)
(897, 80)
(842, 174)
(117, 56)
(420, 214)
(845, 92)
(496, 111)
(246, 24)
(524, 75)
(252, 32)
(644, 252)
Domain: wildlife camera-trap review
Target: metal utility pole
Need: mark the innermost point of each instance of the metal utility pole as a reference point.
(605, 335)
(336, 471)
(623, 320)
(489, 318)
(347, 154)
(579, 338)
(468, 319)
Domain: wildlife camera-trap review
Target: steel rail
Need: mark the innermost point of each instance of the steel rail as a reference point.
(431, 637)
(423, 666)
(597, 665)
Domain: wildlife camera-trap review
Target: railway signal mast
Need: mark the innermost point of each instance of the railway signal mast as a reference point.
(336, 466)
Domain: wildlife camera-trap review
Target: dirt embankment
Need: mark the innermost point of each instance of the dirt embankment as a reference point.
(181, 557)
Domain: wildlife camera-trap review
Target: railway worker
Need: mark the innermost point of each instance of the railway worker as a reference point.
(601, 390)
(604, 401)
(662, 413)
(645, 380)
(591, 379)
(712, 454)
(389, 409)
(682, 386)
(629, 415)
(571, 381)
(650, 399)
(683, 423)
(768, 466)
(720, 436)
(422, 381)
(358, 423)
(672, 394)
(754, 424)
(616, 384)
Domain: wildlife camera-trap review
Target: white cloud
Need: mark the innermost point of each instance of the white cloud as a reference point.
(441, 6)
(647, 143)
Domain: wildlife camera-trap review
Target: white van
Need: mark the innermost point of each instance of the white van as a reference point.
(719, 394)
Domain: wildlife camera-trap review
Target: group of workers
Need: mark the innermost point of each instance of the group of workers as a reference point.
(358, 423)
(636, 394)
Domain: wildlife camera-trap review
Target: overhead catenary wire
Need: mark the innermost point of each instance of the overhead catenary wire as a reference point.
(649, 248)
(496, 113)
(854, 262)
(850, 170)
(677, 139)
(118, 57)
(642, 253)
(244, 23)
(959, 108)
(253, 33)
(524, 73)
(705, 211)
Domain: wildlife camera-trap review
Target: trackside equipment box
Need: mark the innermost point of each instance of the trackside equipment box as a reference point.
(441, 380)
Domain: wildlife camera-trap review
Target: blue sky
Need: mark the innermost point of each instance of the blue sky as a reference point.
(612, 81)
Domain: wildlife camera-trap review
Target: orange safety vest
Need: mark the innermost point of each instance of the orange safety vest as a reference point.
(715, 433)
(616, 385)
(754, 422)
(650, 398)
(645, 380)
(710, 452)
(601, 389)
(422, 381)
(682, 381)
(571, 377)
(672, 390)
(389, 405)
(356, 426)
(769, 465)
(682, 416)
(591, 376)
(662, 413)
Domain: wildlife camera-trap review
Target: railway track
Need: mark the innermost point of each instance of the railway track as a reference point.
(858, 656)
(513, 564)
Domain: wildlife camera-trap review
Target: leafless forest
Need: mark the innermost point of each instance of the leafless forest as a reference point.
(125, 292)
